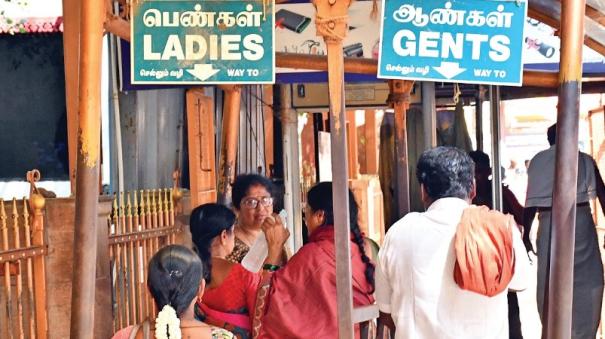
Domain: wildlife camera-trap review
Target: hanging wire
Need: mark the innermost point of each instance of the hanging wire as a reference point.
(265, 104)
(250, 128)
(457, 93)
(260, 152)
(255, 104)
(247, 128)
(262, 112)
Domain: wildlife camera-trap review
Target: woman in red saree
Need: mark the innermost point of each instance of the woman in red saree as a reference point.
(230, 289)
(299, 300)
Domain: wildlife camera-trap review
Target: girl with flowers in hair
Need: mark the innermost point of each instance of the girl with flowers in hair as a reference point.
(175, 282)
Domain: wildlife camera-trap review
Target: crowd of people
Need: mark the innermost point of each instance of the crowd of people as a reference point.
(449, 272)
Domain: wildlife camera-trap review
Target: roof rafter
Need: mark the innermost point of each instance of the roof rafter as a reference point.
(540, 15)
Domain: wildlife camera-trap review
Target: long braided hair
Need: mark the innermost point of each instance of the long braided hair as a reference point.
(319, 198)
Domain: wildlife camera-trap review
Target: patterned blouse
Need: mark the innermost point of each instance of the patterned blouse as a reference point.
(241, 249)
(239, 252)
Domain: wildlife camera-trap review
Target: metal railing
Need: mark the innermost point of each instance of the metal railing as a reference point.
(22, 252)
(139, 226)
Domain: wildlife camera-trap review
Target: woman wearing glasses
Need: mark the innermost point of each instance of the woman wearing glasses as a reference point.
(252, 202)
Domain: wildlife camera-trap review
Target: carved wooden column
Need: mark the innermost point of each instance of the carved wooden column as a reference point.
(71, 57)
(230, 129)
(399, 100)
(331, 24)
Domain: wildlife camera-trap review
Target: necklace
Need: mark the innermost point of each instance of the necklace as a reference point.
(246, 236)
(195, 324)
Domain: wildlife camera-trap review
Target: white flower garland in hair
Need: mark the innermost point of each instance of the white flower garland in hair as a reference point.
(167, 319)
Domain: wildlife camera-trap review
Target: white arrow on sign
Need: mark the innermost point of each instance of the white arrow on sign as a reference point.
(449, 69)
(203, 71)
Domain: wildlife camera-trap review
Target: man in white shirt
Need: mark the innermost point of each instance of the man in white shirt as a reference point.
(415, 288)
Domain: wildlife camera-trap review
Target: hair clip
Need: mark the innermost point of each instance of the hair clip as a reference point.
(175, 274)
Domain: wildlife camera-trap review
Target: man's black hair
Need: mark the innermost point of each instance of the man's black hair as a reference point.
(480, 158)
(551, 134)
(446, 172)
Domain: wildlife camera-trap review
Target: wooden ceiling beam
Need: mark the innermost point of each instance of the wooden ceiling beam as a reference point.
(542, 17)
(370, 66)
(554, 23)
(595, 15)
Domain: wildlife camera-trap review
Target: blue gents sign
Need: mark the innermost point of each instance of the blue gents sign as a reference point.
(470, 41)
(202, 42)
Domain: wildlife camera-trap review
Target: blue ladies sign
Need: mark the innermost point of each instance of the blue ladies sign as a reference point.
(469, 41)
(193, 42)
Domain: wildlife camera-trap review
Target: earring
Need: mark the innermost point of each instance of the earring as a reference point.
(322, 220)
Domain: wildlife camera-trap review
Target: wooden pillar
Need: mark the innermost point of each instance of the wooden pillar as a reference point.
(559, 291)
(331, 24)
(230, 128)
(318, 126)
(307, 155)
(352, 145)
(399, 99)
(479, 118)
(103, 304)
(71, 47)
(292, 187)
(429, 118)
(494, 98)
(87, 178)
(59, 229)
(371, 145)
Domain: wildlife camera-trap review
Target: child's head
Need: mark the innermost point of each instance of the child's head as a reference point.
(175, 278)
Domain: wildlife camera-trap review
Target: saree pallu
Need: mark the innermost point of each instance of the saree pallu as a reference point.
(236, 323)
(298, 300)
(230, 304)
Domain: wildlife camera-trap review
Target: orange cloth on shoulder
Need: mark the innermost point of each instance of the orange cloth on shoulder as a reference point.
(483, 244)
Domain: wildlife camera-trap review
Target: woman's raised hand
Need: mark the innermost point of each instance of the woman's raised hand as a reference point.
(275, 233)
